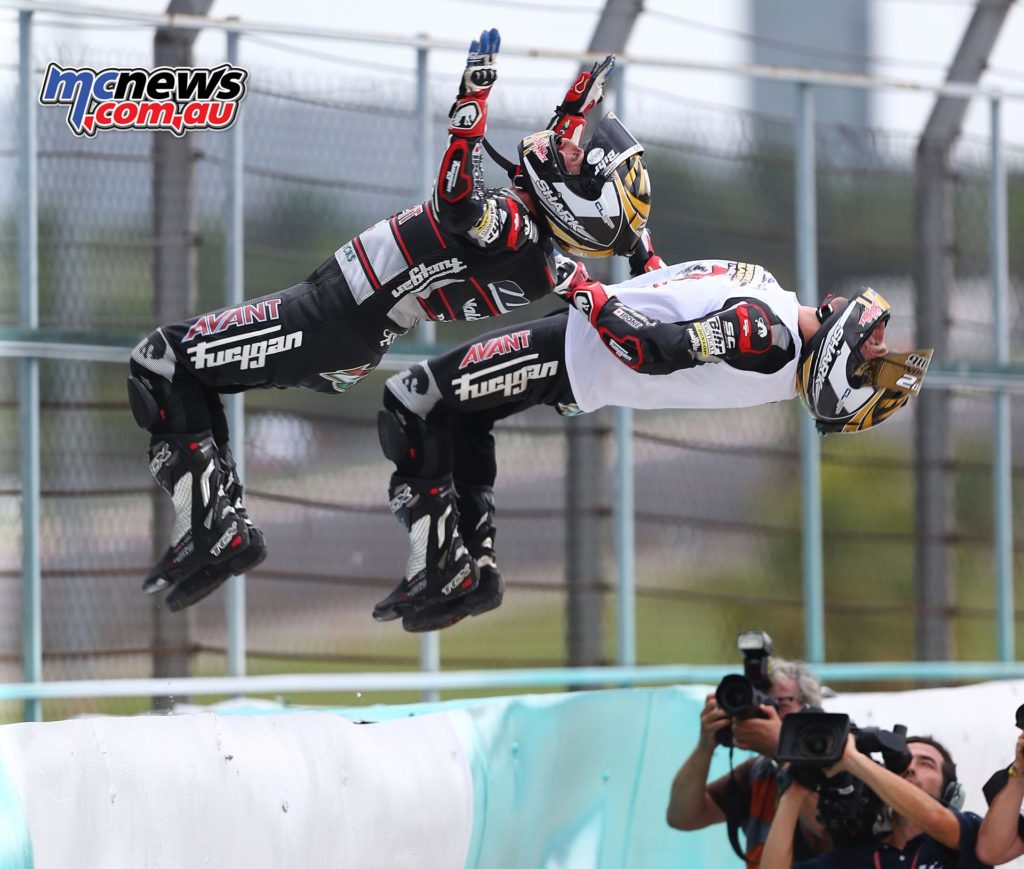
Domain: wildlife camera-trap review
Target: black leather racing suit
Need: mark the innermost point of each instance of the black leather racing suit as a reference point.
(465, 254)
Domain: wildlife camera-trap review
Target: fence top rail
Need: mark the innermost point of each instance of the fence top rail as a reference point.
(795, 75)
(938, 671)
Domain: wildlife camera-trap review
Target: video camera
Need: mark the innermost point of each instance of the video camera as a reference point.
(999, 779)
(812, 741)
(742, 696)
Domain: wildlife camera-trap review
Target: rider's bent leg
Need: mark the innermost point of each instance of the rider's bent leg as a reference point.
(440, 568)
(476, 525)
(422, 497)
(213, 536)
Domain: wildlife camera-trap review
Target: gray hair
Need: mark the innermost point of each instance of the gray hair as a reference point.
(808, 688)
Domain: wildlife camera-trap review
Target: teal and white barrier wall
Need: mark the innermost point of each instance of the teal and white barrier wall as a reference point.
(553, 781)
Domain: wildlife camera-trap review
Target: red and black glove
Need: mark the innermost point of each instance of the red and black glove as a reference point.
(584, 93)
(638, 342)
(643, 258)
(468, 115)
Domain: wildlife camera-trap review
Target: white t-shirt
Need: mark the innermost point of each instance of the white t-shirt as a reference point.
(682, 292)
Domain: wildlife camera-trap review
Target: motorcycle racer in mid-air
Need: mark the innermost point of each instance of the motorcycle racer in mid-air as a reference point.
(465, 253)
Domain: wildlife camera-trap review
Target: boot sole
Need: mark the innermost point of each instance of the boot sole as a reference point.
(486, 597)
(193, 589)
(161, 577)
(384, 612)
(386, 615)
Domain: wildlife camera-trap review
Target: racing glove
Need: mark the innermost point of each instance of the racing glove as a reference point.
(643, 258)
(585, 93)
(647, 346)
(747, 335)
(468, 114)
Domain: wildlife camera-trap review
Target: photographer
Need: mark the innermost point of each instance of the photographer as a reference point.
(749, 792)
(1002, 832)
(926, 832)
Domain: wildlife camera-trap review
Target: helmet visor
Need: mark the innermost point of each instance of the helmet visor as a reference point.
(890, 382)
(899, 372)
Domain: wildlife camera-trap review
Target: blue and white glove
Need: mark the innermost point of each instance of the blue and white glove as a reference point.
(481, 65)
(468, 115)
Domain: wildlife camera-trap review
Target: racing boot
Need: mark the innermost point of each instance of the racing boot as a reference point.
(440, 567)
(208, 532)
(208, 579)
(476, 525)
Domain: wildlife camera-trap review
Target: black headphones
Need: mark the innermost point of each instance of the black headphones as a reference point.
(953, 796)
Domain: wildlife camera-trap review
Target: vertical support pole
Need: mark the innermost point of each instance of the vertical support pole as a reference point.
(624, 505)
(586, 532)
(234, 294)
(810, 448)
(28, 297)
(426, 162)
(1002, 455)
(625, 549)
(430, 643)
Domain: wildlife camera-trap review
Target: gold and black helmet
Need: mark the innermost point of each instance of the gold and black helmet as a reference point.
(843, 391)
(603, 209)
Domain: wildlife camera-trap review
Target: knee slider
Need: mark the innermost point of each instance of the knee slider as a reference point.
(393, 439)
(142, 403)
(418, 447)
(163, 407)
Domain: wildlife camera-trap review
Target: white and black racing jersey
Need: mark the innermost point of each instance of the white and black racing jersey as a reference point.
(682, 293)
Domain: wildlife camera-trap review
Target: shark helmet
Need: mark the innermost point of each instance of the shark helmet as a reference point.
(603, 209)
(843, 391)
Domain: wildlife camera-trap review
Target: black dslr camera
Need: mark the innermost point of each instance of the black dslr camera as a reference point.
(743, 696)
(812, 741)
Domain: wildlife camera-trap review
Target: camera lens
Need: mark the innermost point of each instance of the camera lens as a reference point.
(734, 694)
(815, 742)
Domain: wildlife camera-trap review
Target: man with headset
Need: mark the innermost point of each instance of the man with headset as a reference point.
(745, 797)
(929, 830)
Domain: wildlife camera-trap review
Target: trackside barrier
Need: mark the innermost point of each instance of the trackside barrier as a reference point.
(565, 780)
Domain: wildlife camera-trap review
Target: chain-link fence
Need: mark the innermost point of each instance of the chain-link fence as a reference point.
(717, 493)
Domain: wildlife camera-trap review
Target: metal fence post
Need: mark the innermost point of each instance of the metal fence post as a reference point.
(425, 159)
(234, 294)
(28, 297)
(1002, 456)
(624, 504)
(810, 448)
(430, 644)
(625, 549)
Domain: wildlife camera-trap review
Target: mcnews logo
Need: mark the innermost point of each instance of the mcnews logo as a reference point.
(175, 99)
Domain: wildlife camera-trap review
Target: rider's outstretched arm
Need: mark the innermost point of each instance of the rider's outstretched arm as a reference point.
(745, 333)
(583, 94)
(638, 342)
(458, 196)
(490, 219)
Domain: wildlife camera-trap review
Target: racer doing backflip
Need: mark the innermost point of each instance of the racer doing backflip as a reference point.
(704, 334)
(464, 254)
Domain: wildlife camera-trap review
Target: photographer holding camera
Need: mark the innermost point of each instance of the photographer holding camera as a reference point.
(928, 829)
(746, 797)
(1002, 832)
